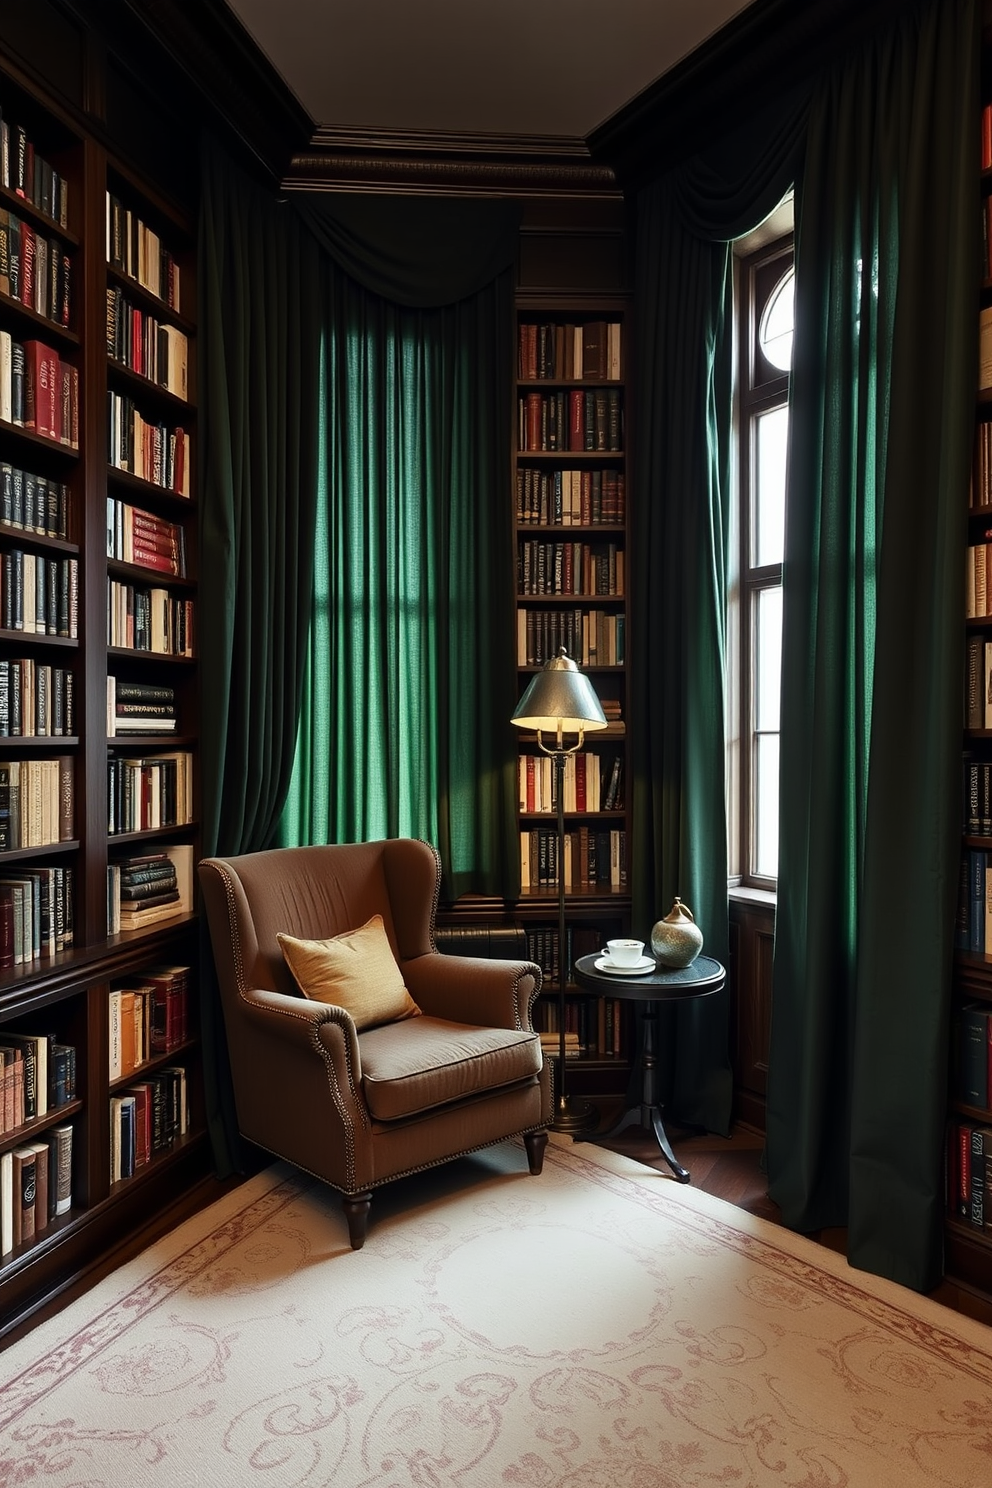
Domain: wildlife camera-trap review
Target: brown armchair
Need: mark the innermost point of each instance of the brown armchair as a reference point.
(359, 1108)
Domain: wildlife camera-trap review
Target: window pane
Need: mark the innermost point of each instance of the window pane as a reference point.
(767, 659)
(766, 805)
(771, 431)
(777, 322)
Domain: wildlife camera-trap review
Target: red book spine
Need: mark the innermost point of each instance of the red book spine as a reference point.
(533, 421)
(149, 558)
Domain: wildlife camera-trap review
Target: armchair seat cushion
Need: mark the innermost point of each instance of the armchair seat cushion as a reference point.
(425, 1062)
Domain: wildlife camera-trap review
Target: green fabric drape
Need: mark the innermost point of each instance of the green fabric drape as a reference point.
(405, 725)
(882, 406)
(680, 534)
(258, 436)
(422, 252)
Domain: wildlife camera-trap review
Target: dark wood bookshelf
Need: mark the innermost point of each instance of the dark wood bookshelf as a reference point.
(65, 996)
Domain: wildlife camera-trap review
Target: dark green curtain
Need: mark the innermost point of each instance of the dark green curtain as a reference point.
(405, 724)
(680, 532)
(882, 407)
(259, 345)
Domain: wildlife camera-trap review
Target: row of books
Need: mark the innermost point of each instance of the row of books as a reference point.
(144, 795)
(978, 578)
(34, 270)
(38, 390)
(148, 889)
(570, 568)
(591, 637)
(134, 250)
(569, 352)
(593, 858)
(141, 619)
(978, 683)
(575, 421)
(36, 700)
(147, 1018)
(973, 917)
(580, 940)
(35, 1187)
(140, 708)
(39, 595)
(147, 346)
(25, 172)
(37, 1075)
(36, 914)
(147, 1118)
(968, 1176)
(593, 1027)
(570, 498)
(142, 537)
(971, 1064)
(980, 484)
(976, 800)
(33, 502)
(36, 802)
(157, 452)
(592, 782)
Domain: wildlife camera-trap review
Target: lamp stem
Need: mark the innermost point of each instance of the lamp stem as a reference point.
(570, 1116)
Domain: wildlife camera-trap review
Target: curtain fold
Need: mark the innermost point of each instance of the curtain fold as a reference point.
(405, 726)
(414, 251)
(680, 536)
(882, 407)
(259, 289)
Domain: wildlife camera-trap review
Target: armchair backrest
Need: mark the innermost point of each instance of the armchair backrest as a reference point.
(314, 893)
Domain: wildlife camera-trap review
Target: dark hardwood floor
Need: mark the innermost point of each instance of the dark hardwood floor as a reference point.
(730, 1168)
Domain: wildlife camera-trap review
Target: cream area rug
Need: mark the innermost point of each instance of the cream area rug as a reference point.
(598, 1327)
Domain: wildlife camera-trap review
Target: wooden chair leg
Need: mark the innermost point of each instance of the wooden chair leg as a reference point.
(535, 1142)
(356, 1211)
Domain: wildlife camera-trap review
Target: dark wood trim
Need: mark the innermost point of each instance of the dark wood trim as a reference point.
(770, 48)
(441, 163)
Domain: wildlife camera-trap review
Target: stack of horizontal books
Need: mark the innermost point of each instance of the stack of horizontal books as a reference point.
(139, 708)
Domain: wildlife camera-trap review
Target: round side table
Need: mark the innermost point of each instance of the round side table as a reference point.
(651, 989)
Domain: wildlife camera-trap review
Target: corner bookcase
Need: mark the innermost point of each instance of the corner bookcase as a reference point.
(98, 777)
(968, 1226)
(570, 503)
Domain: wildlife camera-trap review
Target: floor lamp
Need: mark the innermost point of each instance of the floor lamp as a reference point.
(560, 701)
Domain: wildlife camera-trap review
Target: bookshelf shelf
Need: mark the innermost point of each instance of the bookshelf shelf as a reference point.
(570, 476)
(58, 902)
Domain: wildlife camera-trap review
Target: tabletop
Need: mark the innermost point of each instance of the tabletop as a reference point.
(664, 984)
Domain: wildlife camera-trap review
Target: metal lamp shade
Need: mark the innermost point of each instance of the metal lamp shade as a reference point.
(560, 700)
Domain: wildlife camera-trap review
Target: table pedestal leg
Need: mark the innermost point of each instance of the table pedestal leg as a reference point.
(648, 1113)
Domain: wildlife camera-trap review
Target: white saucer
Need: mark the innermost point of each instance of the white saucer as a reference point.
(646, 963)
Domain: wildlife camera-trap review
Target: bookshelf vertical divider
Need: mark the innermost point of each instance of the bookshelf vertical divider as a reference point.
(99, 1044)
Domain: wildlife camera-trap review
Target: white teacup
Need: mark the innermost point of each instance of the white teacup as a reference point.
(625, 952)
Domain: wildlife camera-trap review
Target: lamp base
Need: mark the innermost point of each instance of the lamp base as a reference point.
(573, 1117)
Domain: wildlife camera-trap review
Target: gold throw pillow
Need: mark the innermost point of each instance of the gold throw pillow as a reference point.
(356, 971)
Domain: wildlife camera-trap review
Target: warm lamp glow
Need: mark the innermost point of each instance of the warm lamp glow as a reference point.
(560, 700)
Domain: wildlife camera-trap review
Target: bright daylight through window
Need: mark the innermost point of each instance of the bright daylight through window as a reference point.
(766, 303)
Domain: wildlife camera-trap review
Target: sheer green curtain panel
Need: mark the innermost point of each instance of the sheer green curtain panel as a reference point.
(405, 724)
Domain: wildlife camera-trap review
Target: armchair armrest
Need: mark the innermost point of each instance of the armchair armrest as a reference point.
(309, 1026)
(472, 989)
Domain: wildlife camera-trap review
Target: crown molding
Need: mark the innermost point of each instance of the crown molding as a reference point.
(449, 164)
(768, 49)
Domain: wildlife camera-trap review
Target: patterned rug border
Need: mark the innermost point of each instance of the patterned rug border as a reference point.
(960, 1341)
(101, 1317)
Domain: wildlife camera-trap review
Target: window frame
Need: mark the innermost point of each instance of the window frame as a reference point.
(760, 388)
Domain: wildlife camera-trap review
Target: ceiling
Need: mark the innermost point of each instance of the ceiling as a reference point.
(506, 67)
